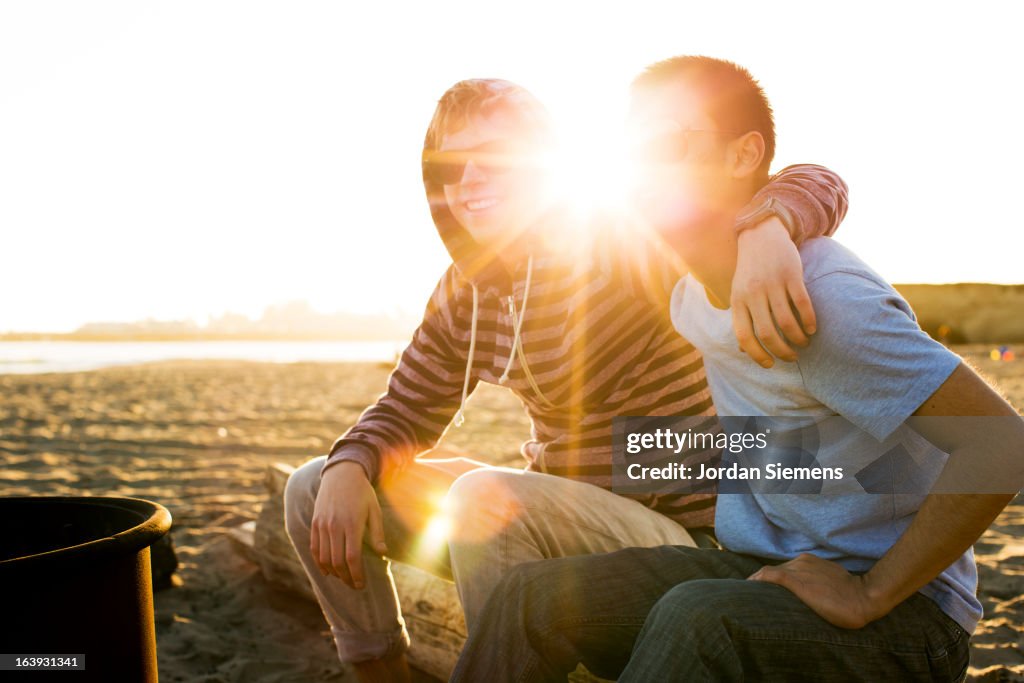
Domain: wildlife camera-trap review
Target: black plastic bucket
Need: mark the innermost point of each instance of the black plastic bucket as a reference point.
(75, 580)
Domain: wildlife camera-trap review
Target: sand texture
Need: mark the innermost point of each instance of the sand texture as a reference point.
(197, 436)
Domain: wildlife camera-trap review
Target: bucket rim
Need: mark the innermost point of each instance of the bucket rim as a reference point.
(156, 523)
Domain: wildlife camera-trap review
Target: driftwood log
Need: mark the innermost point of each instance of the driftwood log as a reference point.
(430, 605)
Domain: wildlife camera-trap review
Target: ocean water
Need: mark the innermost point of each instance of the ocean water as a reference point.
(67, 356)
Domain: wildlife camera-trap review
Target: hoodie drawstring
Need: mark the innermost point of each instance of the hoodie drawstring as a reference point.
(517, 341)
(517, 347)
(517, 320)
(460, 415)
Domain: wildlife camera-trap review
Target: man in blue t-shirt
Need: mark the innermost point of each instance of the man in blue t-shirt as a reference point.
(877, 584)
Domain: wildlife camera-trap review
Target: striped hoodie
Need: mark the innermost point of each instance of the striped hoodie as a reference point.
(580, 335)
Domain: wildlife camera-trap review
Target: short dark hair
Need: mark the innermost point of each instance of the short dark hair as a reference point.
(732, 97)
(483, 96)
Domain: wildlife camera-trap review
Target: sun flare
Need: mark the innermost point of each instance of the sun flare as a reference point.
(590, 168)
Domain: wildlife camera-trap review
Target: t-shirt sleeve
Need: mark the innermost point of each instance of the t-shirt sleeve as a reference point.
(870, 361)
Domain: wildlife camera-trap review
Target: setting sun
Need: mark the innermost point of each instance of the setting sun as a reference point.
(589, 173)
(304, 162)
(590, 167)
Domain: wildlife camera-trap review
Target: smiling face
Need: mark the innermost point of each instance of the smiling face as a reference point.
(500, 191)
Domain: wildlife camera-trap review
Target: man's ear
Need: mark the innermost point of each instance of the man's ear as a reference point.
(747, 153)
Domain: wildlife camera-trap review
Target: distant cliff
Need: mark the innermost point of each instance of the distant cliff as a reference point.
(969, 312)
(295, 320)
(956, 314)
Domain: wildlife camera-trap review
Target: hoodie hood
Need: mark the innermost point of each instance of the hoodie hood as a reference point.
(475, 263)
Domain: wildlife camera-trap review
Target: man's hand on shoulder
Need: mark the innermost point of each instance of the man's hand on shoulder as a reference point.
(768, 291)
(346, 506)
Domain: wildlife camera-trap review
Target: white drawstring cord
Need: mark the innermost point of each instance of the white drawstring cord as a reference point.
(517, 345)
(460, 415)
(517, 320)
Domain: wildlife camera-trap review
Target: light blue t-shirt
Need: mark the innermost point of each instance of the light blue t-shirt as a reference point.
(870, 363)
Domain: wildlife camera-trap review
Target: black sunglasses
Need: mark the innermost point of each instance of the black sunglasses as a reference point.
(448, 166)
(671, 147)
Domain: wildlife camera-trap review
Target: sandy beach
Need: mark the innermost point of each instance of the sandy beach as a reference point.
(197, 437)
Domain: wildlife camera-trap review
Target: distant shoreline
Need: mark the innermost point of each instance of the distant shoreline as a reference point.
(78, 337)
(39, 356)
(954, 313)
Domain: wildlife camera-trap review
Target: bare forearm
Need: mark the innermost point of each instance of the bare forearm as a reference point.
(943, 529)
(983, 436)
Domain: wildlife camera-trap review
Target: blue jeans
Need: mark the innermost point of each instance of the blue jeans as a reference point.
(673, 613)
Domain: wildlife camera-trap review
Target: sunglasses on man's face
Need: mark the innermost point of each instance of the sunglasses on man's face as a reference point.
(671, 147)
(446, 167)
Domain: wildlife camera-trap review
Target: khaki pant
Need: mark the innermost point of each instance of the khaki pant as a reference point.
(493, 519)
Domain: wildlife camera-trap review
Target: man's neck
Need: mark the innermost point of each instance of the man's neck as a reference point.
(510, 259)
(514, 253)
(712, 258)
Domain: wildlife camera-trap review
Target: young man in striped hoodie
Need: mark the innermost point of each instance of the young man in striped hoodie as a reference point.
(579, 333)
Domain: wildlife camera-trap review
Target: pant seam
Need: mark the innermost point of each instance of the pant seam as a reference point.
(902, 650)
(575, 522)
(566, 622)
(529, 670)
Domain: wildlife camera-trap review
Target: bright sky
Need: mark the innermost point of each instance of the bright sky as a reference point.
(180, 159)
